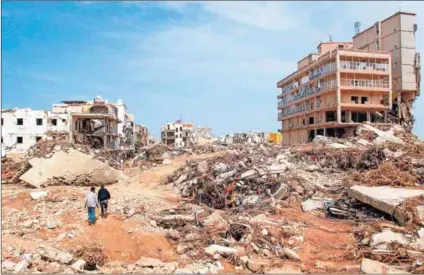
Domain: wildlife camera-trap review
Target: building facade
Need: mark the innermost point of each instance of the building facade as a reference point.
(178, 134)
(396, 34)
(334, 89)
(22, 128)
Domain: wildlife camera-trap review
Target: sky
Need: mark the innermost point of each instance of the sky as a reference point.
(213, 63)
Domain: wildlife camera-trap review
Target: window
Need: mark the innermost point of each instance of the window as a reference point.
(341, 46)
(377, 45)
(354, 99)
(364, 99)
(377, 28)
(37, 139)
(2, 122)
(169, 127)
(181, 128)
(63, 120)
(19, 140)
(54, 122)
(39, 121)
(1, 139)
(176, 130)
(20, 121)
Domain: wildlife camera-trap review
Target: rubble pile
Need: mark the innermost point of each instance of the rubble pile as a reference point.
(10, 167)
(216, 181)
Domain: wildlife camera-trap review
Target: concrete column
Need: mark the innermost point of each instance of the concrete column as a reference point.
(349, 116)
(325, 132)
(339, 108)
(369, 116)
(315, 131)
(385, 116)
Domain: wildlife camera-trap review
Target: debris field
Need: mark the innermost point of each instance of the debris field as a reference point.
(351, 205)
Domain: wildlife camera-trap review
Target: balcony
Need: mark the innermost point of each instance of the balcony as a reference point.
(301, 109)
(365, 83)
(307, 91)
(364, 66)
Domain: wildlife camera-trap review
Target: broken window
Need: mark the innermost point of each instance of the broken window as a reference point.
(330, 116)
(39, 121)
(19, 140)
(54, 122)
(20, 121)
(37, 139)
(364, 99)
(354, 99)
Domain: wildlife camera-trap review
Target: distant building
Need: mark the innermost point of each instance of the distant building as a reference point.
(178, 134)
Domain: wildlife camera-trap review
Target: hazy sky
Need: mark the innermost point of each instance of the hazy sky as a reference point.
(214, 63)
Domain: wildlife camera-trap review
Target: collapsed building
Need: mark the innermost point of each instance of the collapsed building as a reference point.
(346, 84)
(97, 123)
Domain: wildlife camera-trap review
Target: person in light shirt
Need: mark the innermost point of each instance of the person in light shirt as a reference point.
(91, 202)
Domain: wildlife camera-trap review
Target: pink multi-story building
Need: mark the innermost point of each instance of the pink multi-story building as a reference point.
(336, 88)
(375, 78)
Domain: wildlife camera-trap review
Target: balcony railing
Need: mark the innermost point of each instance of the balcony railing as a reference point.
(301, 109)
(367, 83)
(307, 91)
(364, 66)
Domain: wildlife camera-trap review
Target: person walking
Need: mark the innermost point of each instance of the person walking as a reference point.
(91, 203)
(103, 197)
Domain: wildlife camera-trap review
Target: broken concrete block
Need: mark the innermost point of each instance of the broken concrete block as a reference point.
(7, 266)
(277, 168)
(387, 236)
(282, 192)
(312, 168)
(149, 262)
(373, 267)
(219, 249)
(79, 265)
(21, 266)
(291, 254)
(203, 167)
(385, 198)
(52, 223)
(220, 168)
(72, 167)
(314, 204)
(248, 174)
(38, 195)
(54, 255)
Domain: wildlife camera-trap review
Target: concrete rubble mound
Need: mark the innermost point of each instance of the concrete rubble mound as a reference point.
(336, 205)
(69, 168)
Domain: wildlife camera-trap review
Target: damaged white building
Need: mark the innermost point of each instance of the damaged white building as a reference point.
(72, 120)
(22, 128)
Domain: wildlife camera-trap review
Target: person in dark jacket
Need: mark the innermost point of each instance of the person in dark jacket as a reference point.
(103, 197)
